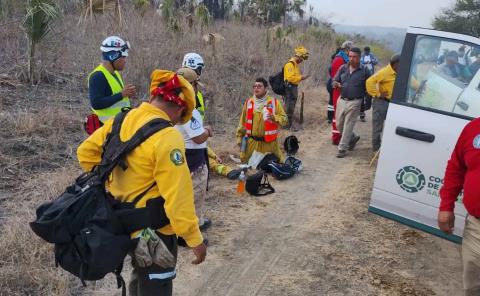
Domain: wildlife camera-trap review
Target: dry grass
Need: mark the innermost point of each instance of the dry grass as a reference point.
(41, 127)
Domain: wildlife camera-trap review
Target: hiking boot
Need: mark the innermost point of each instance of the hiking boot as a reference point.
(234, 174)
(341, 153)
(204, 224)
(353, 143)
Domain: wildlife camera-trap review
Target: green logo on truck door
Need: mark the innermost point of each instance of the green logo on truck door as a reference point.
(411, 179)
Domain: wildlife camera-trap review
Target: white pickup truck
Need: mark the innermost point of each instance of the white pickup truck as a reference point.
(437, 92)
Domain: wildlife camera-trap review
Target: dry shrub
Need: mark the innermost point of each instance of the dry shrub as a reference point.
(26, 262)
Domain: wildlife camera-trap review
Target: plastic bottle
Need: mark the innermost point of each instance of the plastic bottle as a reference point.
(241, 183)
(243, 146)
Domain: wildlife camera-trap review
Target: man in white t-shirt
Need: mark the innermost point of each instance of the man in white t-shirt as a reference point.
(196, 136)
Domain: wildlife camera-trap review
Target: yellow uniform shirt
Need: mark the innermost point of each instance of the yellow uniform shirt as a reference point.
(258, 130)
(160, 159)
(291, 72)
(382, 82)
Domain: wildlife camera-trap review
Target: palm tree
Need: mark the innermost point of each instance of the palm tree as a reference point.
(37, 22)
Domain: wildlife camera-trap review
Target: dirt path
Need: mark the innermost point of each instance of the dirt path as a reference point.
(314, 236)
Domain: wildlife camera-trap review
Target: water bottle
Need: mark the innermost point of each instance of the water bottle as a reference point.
(241, 183)
(243, 146)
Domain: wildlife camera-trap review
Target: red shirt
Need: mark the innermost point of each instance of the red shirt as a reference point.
(336, 64)
(463, 172)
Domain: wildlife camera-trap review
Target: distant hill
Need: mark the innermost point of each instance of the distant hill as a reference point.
(391, 37)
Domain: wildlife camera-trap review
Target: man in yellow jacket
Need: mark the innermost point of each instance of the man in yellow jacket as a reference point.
(259, 123)
(380, 87)
(292, 77)
(159, 160)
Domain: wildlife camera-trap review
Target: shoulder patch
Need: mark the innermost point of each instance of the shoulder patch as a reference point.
(176, 157)
(194, 124)
(476, 142)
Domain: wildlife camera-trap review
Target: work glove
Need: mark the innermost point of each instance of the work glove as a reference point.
(142, 253)
(159, 252)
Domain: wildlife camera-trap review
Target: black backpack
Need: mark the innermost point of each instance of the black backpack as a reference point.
(291, 145)
(281, 171)
(277, 82)
(268, 158)
(258, 185)
(90, 229)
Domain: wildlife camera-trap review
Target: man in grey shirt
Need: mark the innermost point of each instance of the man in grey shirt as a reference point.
(350, 78)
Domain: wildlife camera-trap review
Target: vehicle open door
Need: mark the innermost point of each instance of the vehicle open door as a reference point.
(436, 93)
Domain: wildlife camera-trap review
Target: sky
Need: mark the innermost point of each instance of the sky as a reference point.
(385, 13)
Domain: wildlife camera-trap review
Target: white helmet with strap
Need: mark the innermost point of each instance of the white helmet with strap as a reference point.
(113, 48)
(193, 61)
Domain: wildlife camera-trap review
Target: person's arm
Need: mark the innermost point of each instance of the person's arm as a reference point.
(100, 92)
(241, 124)
(372, 84)
(337, 79)
(89, 153)
(374, 60)
(280, 117)
(454, 177)
(175, 186)
(290, 75)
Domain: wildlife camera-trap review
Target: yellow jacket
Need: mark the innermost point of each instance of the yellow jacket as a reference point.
(258, 127)
(160, 158)
(291, 72)
(382, 82)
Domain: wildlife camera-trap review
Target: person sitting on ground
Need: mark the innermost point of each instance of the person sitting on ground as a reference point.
(259, 123)
(195, 62)
(454, 69)
(107, 91)
(157, 168)
(196, 136)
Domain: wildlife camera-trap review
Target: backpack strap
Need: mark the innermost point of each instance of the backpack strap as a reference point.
(265, 187)
(115, 151)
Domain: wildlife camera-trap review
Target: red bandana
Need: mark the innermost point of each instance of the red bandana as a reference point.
(167, 91)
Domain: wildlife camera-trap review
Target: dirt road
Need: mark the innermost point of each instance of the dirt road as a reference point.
(314, 236)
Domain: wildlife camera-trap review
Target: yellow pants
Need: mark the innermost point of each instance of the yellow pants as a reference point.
(262, 147)
(218, 168)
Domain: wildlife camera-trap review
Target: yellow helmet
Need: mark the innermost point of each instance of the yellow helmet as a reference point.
(301, 52)
(171, 82)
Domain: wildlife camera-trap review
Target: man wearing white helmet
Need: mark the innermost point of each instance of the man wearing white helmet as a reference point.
(107, 91)
(195, 62)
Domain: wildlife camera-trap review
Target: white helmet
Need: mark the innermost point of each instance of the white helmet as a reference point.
(113, 48)
(193, 61)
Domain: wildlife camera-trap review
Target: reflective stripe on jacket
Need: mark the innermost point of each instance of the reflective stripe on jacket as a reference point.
(271, 128)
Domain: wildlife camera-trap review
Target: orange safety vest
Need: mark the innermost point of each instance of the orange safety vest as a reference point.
(271, 128)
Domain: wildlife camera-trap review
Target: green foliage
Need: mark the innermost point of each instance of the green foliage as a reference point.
(463, 17)
(203, 15)
(39, 16)
(38, 19)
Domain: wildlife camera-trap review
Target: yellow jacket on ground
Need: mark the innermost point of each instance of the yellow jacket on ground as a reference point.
(160, 159)
(291, 72)
(258, 130)
(382, 82)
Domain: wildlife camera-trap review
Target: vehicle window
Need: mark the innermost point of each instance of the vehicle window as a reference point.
(444, 76)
